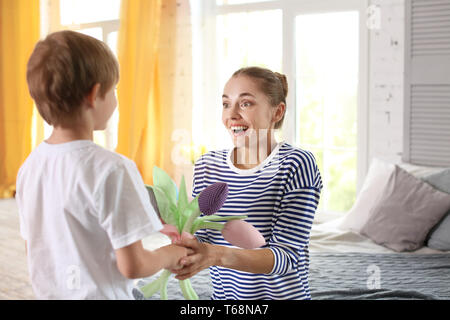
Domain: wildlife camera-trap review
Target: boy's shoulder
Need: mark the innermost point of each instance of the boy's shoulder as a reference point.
(106, 160)
(109, 155)
(78, 154)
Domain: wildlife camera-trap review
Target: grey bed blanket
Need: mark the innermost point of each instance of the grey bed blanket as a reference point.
(355, 276)
(359, 276)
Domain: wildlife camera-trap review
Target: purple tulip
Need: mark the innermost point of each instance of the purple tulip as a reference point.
(212, 198)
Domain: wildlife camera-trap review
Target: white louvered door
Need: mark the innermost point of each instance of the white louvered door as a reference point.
(427, 82)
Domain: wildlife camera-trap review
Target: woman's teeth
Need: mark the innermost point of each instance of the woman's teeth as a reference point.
(238, 129)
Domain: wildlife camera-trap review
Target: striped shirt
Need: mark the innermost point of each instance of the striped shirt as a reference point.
(280, 197)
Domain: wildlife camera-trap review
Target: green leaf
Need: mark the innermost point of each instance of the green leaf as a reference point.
(184, 206)
(190, 214)
(152, 197)
(163, 181)
(183, 219)
(221, 218)
(208, 225)
(182, 195)
(175, 212)
(166, 209)
(193, 206)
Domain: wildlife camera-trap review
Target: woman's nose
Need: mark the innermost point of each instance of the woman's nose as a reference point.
(234, 112)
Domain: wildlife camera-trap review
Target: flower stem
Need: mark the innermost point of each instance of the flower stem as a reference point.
(194, 215)
(159, 284)
(187, 290)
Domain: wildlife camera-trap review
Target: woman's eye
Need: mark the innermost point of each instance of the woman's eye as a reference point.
(245, 104)
(225, 105)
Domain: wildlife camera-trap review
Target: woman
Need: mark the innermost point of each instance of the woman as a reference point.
(275, 184)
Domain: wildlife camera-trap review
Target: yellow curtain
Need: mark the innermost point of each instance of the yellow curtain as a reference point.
(19, 32)
(144, 133)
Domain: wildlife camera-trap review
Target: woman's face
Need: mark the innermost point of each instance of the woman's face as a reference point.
(247, 110)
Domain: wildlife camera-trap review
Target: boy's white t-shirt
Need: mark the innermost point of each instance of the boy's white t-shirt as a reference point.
(78, 202)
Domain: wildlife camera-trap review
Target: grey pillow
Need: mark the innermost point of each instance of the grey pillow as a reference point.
(405, 213)
(439, 236)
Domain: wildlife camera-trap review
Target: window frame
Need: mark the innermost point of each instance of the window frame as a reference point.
(205, 87)
(51, 22)
(54, 21)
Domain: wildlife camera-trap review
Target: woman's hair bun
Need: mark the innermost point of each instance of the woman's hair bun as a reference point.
(284, 83)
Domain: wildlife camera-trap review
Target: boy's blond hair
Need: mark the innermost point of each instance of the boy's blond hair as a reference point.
(62, 71)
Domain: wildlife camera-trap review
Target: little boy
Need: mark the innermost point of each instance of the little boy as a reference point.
(83, 209)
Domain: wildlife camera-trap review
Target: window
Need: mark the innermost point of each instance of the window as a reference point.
(244, 39)
(321, 47)
(99, 19)
(326, 100)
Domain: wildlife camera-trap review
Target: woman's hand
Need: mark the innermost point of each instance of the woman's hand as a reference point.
(203, 256)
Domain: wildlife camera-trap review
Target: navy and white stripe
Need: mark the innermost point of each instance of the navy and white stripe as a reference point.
(280, 199)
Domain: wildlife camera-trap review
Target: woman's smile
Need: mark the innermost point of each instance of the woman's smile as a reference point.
(238, 130)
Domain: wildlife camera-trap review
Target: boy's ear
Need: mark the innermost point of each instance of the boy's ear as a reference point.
(92, 95)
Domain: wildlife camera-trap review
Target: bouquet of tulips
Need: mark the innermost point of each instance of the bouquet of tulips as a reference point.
(180, 216)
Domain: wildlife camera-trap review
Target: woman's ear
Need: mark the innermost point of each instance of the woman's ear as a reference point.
(279, 112)
(92, 95)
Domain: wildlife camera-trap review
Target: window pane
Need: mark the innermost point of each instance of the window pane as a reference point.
(85, 11)
(111, 40)
(96, 33)
(246, 39)
(341, 180)
(327, 60)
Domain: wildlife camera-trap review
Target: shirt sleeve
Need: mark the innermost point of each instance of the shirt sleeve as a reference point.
(124, 207)
(19, 200)
(294, 217)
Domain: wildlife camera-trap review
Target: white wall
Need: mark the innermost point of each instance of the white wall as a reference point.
(386, 69)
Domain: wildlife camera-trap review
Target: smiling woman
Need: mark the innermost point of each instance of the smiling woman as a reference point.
(254, 104)
(278, 192)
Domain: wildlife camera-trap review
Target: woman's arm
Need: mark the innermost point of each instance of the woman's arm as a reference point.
(290, 235)
(206, 255)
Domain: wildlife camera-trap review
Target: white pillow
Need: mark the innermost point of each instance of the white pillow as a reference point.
(371, 191)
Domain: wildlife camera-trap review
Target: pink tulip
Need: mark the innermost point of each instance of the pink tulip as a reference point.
(242, 234)
(172, 232)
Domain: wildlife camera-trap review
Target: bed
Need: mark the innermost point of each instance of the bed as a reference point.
(355, 256)
(346, 265)
(394, 243)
